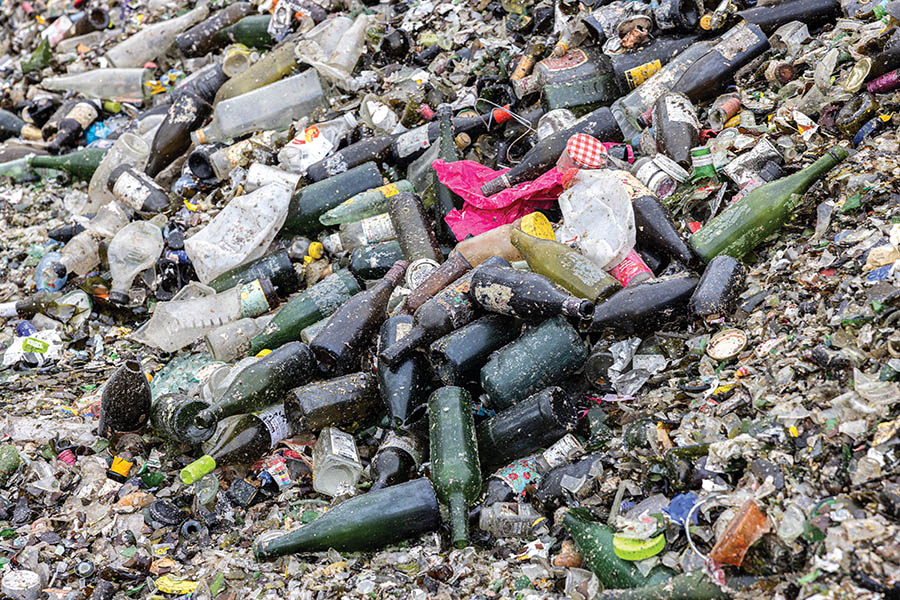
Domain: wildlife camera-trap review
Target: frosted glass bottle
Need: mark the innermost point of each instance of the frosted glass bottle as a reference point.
(129, 149)
(274, 106)
(153, 41)
(112, 84)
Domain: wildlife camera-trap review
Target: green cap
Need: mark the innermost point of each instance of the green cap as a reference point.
(197, 469)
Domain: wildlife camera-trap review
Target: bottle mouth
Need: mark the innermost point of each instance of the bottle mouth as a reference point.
(133, 366)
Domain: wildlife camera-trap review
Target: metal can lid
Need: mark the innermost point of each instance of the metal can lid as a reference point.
(726, 344)
(671, 167)
(418, 271)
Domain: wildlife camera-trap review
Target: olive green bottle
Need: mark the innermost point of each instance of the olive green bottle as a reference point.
(39, 59)
(251, 31)
(366, 204)
(79, 165)
(274, 65)
(595, 543)
(455, 468)
(413, 227)
(388, 515)
(565, 267)
(172, 416)
(262, 383)
(311, 306)
(277, 267)
(745, 224)
(312, 201)
(347, 402)
(457, 357)
(368, 263)
(445, 198)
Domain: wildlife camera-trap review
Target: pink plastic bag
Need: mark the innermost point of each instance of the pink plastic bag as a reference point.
(480, 214)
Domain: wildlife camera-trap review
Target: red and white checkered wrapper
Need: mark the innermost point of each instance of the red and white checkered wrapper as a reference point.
(583, 152)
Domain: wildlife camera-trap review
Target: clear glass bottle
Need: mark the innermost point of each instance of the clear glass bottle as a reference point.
(128, 149)
(360, 233)
(336, 464)
(152, 41)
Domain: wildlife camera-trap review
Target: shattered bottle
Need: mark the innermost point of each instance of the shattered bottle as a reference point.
(125, 403)
(172, 415)
(128, 150)
(336, 464)
(676, 127)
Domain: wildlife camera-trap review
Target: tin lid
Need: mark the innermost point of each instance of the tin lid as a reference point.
(726, 344)
(671, 167)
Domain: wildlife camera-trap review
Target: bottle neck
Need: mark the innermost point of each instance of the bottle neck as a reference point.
(819, 168)
(394, 353)
(459, 519)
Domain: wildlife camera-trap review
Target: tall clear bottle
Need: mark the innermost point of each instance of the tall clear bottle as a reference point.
(153, 41)
(128, 149)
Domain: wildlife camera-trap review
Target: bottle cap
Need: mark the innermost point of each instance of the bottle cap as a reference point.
(637, 549)
(706, 22)
(30, 132)
(726, 344)
(22, 584)
(197, 469)
(316, 250)
(537, 225)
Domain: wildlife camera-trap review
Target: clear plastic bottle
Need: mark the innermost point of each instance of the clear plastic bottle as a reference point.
(314, 143)
(151, 42)
(134, 249)
(336, 465)
(81, 254)
(46, 278)
(128, 149)
(273, 106)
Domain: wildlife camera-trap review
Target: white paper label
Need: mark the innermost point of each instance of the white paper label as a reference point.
(342, 444)
(564, 449)
(736, 41)
(131, 190)
(276, 422)
(413, 141)
(676, 110)
(377, 229)
(404, 443)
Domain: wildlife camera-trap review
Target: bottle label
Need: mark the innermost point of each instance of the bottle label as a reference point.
(413, 141)
(342, 444)
(638, 75)
(520, 474)
(633, 266)
(377, 229)
(390, 190)
(563, 450)
(405, 443)
(581, 267)
(335, 164)
(276, 422)
(676, 110)
(329, 295)
(569, 60)
(253, 299)
(84, 113)
(737, 40)
(131, 190)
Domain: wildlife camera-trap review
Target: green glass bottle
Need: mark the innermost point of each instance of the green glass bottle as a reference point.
(581, 96)
(277, 267)
(565, 267)
(311, 306)
(79, 165)
(262, 383)
(274, 65)
(172, 416)
(240, 439)
(595, 543)
(455, 468)
(39, 59)
(18, 170)
(695, 585)
(445, 198)
(312, 201)
(366, 204)
(347, 402)
(457, 357)
(372, 262)
(368, 521)
(413, 227)
(763, 211)
(251, 31)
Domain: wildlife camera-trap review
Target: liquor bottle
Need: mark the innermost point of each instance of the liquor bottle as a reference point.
(75, 123)
(80, 164)
(719, 287)
(405, 385)
(565, 267)
(13, 126)
(172, 138)
(340, 344)
(455, 468)
(261, 384)
(274, 65)
(457, 357)
(656, 229)
(742, 226)
(202, 37)
(413, 228)
(251, 31)
(240, 439)
(366, 204)
(450, 309)
(273, 106)
(445, 198)
(397, 457)
(312, 201)
(676, 127)
(172, 416)
(812, 12)
(382, 517)
(137, 190)
(450, 270)
(357, 234)
(532, 424)
(524, 295)
(28, 307)
(543, 355)
(368, 263)
(595, 543)
(599, 124)
(634, 68)
(153, 41)
(277, 267)
(125, 403)
(313, 305)
(644, 306)
(349, 402)
(715, 70)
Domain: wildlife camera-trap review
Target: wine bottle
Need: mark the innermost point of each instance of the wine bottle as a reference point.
(644, 306)
(366, 204)
(272, 66)
(397, 457)
(676, 127)
(376, 148)
(634, 68)
(580, 96)
(745, 224)
(340, 344)
(79, 165)
(565, 267)
(261, 384)
(125, 403)
(136, 190)
(450, 309)
(202, 37)
(368, 521)
(599, 124)
(172, 138)
(372, 262)
(153, 41)
(811, 12)
(450, 270)
(715, 70)
(240, 439)
(457, 357)
(576, 65)
(172, 416)
(445, 198)
(656, 229)
(413, 228)
(532, 424)
(524, 295)
(251, 31)
(349, 402)
(277, 267)
(455, 468)
(71, 126)
(312, 201)
(314, 304)
(13, 126)
(405, 385)
(719, 288)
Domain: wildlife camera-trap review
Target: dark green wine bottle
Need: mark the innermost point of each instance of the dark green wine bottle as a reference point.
(347, 402)
(580, 96)
(656, 229)
(79, 165)
(277, 267)
(372, 262)
(457, 357)
(445, 198)
(12, 126)
(172, 416)
(455, 467)
(405, 385)
(368, 521)
(397, 456)
(524, 295)
(251, 31)
(262, 383)
(311, 306)
(314, 200)
(202, 38)
(645, 306)
(414, 231)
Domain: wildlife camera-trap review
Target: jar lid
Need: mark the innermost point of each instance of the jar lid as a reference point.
(671, 167)
(726, 344)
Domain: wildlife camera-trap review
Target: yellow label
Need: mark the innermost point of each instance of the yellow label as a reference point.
(537, 225)
(171, 585)
(389, 190)
(264, 352)
(641, 73)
